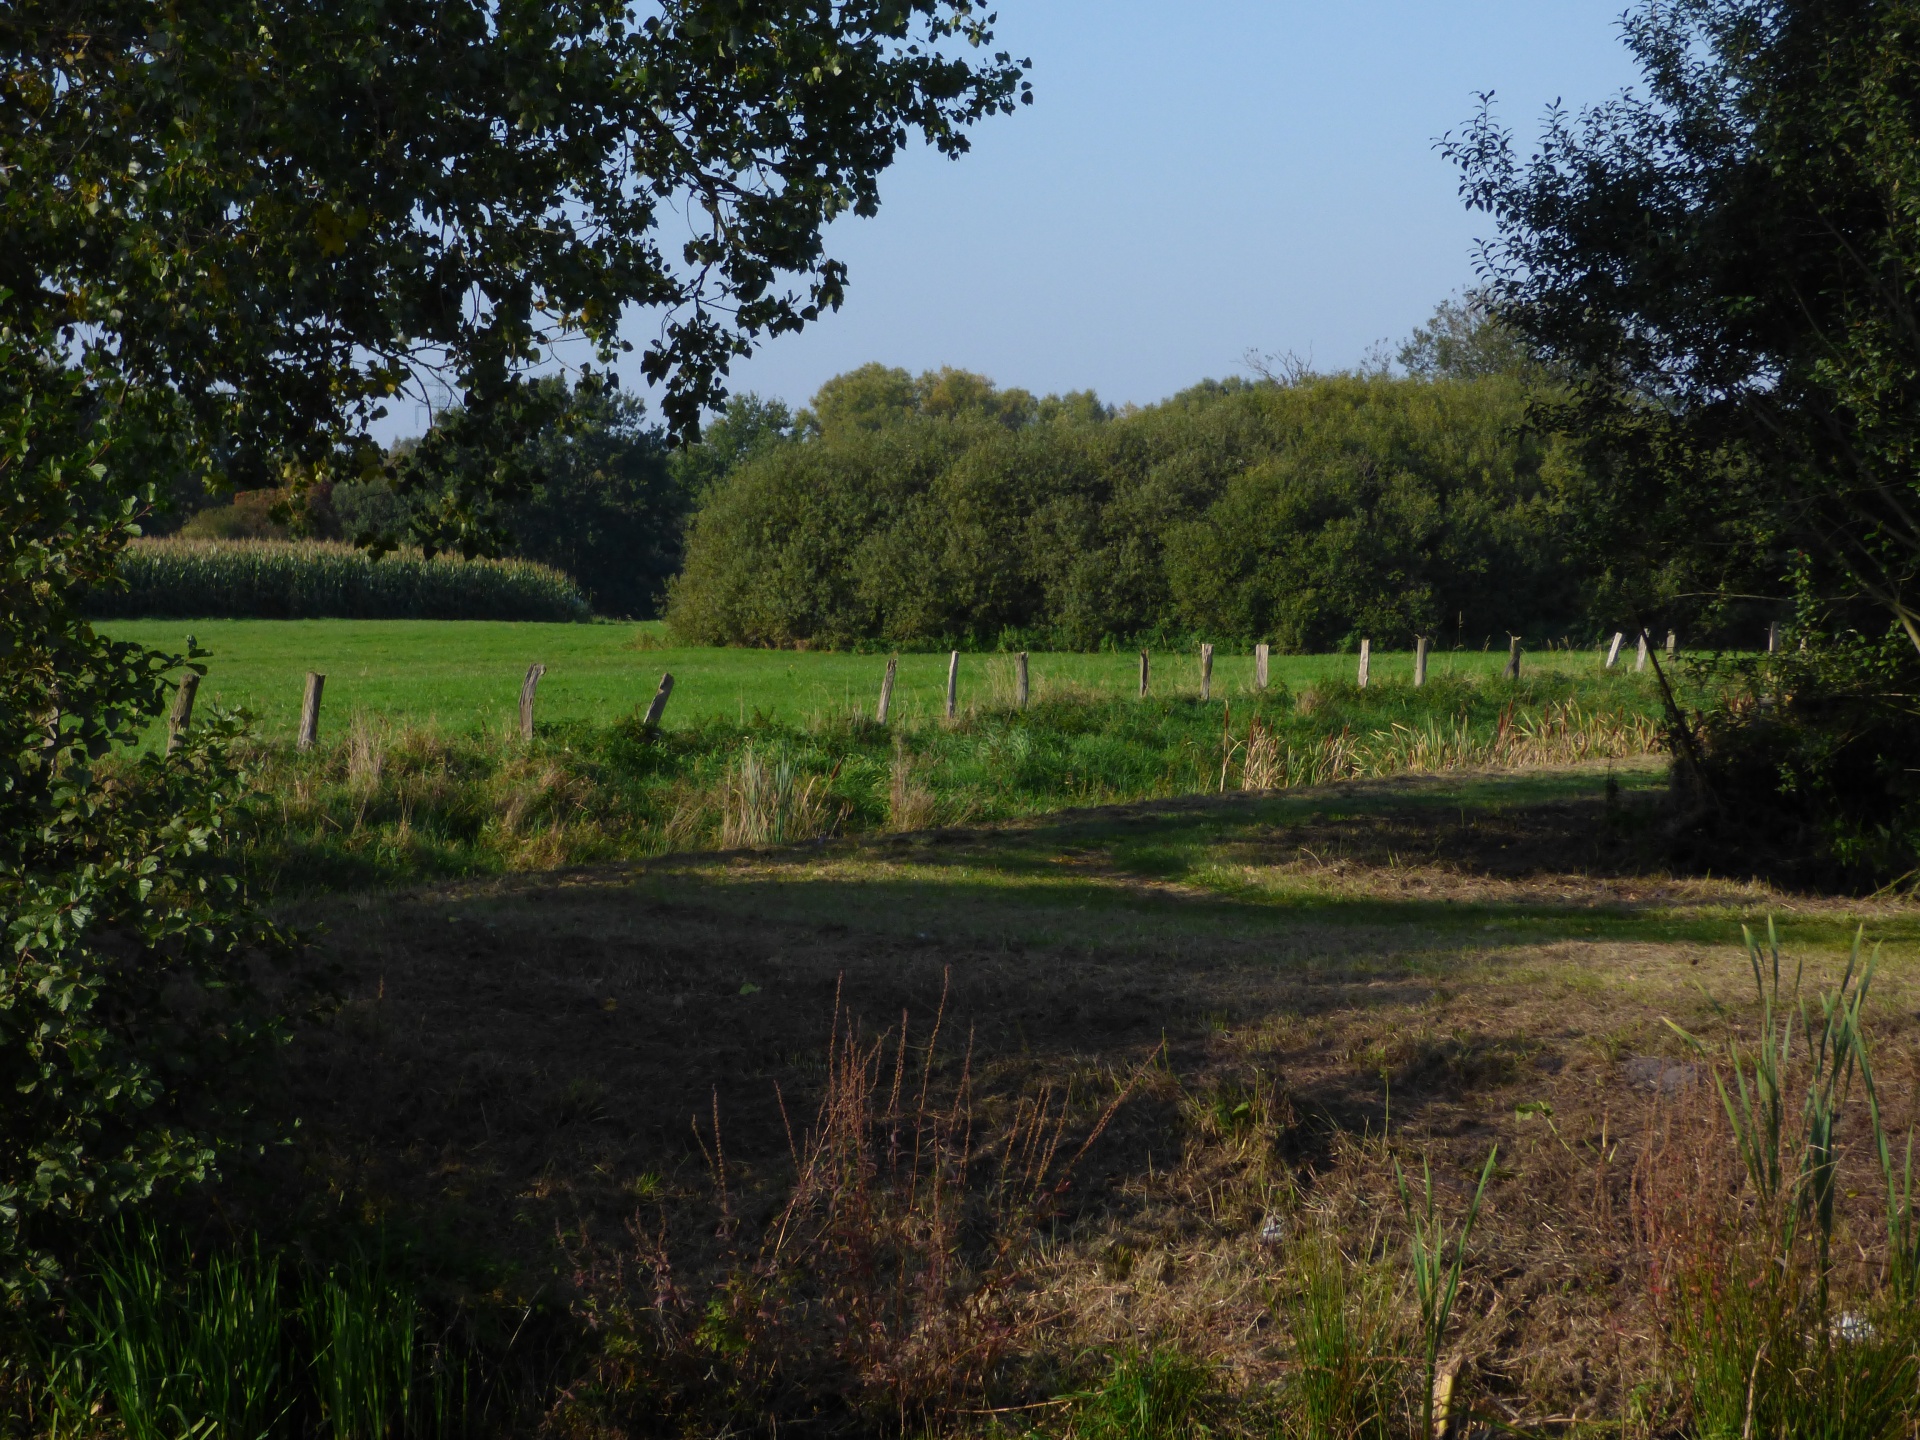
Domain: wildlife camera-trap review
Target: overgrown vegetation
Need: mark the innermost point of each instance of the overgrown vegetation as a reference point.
(1307, 514)
(385, 803)
(282, 580)
(1720, 262)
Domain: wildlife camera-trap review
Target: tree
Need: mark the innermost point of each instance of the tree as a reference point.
(234, 229)
(1730, 265)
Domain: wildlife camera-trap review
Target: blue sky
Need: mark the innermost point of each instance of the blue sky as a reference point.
(1194, 178)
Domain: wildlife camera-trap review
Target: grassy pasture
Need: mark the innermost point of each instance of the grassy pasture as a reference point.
(461, 676)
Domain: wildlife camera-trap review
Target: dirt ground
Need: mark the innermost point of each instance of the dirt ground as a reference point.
(1317, 984)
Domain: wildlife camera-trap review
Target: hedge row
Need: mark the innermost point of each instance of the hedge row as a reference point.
(281, 580)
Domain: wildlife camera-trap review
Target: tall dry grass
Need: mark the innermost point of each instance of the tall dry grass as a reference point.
(1560, 733)
(890, 1286)
(769, 802)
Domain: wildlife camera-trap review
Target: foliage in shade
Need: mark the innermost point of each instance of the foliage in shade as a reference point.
(123, 996)
(1726, 258)
(280, 580)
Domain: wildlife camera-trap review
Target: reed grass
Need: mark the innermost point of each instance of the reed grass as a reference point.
(164, 1343)
(302, 580)
(1771, 1334)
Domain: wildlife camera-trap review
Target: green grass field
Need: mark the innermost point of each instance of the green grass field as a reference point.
(462, 676)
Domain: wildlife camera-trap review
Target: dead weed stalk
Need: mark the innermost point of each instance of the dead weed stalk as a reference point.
(888, 1288)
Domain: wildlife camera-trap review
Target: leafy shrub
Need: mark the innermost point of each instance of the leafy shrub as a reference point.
(275, 580)
(1306, 515)
(1803, 765)
(125, 1017)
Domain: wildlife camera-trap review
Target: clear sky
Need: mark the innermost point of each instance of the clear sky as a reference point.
(1194, 178)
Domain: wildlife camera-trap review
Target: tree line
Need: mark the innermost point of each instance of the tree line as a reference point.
(1306, 512)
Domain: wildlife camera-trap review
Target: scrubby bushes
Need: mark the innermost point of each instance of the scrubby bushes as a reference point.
(1307, 514)
(277, 580)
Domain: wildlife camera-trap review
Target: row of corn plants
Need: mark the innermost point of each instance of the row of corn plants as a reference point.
(302, 580)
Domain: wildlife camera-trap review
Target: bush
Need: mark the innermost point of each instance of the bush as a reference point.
(1305, 514)
(278, 580)
(1803, 763)
(125, 1010)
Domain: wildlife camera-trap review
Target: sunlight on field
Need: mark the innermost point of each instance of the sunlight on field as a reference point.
(464, 675)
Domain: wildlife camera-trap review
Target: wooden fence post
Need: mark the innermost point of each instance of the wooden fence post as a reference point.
(1613, 650)
(886, 691)
(1020, 680)
(1640, 656)
(1513, 656)
(527, 687)
(1206, 671)
(1260, 655)
(953, 684)
(1419, 661)
(1143, 674)
(1773, 636)
(182, 715)
(310, 710)
(659, 705)
(1366, 662)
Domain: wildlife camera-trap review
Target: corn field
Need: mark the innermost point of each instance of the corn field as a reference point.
(307, 580)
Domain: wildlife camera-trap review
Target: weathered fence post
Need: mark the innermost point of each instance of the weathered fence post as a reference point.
(1773, 636)
(953, 684)
(1613, 650)
(1020, 680)
(1366, 662)
(1419, 661)
(1260, 654)
(886, 691)
(659, 705)
(310, 710)
(1640, 657)
(1143, 674)
(527, 687)
(1206, 671)
(1513, 656)
(182, 715)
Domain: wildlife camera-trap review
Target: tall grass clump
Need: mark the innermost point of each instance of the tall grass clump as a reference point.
(1781, 1318)
(162, 1343)
(305, 580)
(768, 802)
(178, 1351)
(1350, 1360)
(1159, 1395)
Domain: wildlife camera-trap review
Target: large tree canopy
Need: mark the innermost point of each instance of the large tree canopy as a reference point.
(1731, 261)
(281, 211)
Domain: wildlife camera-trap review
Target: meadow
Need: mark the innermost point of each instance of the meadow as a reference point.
(1322, 1063)
(462, 676)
